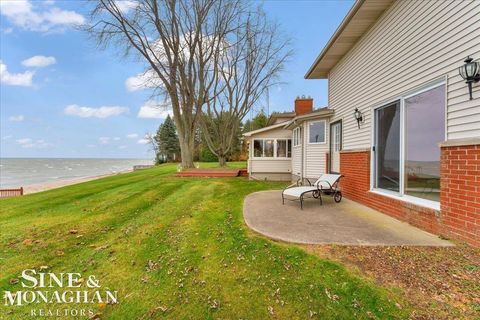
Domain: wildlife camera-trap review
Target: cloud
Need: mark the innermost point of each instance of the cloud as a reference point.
(18, 118)
(122, 147)
(87, 112)
(24, 141)
(7, 30)
(104, 140)
(7, 137)
(15, 79)
(154, 110)
(125, 5)
(30, 144)
(143, 141)
(132, 136)
(39, 61)
(142, 81)
(23, 14)
(116, 139)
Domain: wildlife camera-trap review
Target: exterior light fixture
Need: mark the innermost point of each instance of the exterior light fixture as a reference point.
(358, 116)
(470, 72)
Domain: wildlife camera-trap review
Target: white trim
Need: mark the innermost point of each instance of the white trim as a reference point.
(299, 140)
(409, 199)
(273, 126)
(401, 99)
(324, 132)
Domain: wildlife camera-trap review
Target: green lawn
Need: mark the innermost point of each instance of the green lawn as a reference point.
(233, 164)
(177, 248)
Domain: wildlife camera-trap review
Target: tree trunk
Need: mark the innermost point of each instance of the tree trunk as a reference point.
(222, 161)
(186, 150)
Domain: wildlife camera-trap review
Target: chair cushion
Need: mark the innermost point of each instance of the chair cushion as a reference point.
(297, 191)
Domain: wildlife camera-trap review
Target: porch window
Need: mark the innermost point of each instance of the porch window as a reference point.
(284, 148)
(272, 148)
(406, 137)
(297, 136)
(317, 132)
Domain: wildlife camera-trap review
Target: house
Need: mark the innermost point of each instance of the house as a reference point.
(405, 127)
(282, 152)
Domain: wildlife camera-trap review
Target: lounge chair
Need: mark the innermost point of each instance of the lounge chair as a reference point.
(326, 184)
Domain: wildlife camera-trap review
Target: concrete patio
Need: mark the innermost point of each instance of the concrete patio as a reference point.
(346, 223)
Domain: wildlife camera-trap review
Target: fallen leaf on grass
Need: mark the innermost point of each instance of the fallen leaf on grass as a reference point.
(60, 253)
(44, 268)
(97, 315)
(270, 310)
(14, 281)
(27, 242)
(73, 231)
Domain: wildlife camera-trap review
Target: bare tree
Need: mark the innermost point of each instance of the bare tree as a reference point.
(248, 65)
(179, 40)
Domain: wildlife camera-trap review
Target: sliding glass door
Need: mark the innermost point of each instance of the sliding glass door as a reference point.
(406, 152)
(387, 147)
(424, 129)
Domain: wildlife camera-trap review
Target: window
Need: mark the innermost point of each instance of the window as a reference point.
(424, 129)
(284, 148)
(272, 148)
(387, 147)
(268, 148)
(297, 136)
(406, 137)
(316, 132)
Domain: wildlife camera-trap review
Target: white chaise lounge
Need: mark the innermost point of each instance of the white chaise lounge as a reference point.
(326, 183)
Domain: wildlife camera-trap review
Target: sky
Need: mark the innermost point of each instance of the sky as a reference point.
(61, 96)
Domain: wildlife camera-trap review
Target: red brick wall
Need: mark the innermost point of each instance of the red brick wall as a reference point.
(460, 192)
(460, 209)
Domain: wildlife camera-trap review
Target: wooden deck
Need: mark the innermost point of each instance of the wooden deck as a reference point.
(212, 173)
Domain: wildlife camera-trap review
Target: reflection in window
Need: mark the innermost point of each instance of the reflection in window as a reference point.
(387, 147)
(284, 148)
(257, 148)
(317, 132)
(424, 130)
(268, 148)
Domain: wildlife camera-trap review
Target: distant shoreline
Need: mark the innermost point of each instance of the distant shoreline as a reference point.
(39, 187)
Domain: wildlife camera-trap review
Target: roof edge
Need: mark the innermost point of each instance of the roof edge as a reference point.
(274, 126)
(351, 13)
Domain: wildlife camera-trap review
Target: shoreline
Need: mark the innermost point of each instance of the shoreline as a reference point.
(39, 187)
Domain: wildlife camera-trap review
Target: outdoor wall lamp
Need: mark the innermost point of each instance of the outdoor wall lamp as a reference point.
(358, 116)
(470, 72)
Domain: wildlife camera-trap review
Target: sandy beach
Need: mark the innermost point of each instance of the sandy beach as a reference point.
(33, 188)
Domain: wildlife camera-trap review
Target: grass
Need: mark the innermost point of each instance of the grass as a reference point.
(233, 164)
(177, 248)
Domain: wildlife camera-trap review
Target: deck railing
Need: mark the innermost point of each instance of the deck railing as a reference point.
(6, 193)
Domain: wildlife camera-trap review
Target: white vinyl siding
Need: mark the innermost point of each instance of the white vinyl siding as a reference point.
(271, 166)
(413, 44)
(315, 154)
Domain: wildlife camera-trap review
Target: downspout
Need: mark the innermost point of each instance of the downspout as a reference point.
(302, 130)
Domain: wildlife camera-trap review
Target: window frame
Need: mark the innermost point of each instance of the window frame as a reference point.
(297, 135)
(324, 131)
(275, 147)
(401, 98)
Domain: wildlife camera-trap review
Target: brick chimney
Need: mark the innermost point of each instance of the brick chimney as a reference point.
(303, 105)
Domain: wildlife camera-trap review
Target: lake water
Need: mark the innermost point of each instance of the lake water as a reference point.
(16, 173)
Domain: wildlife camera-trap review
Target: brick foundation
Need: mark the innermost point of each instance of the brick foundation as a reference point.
(460, 192)
(459, 217)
